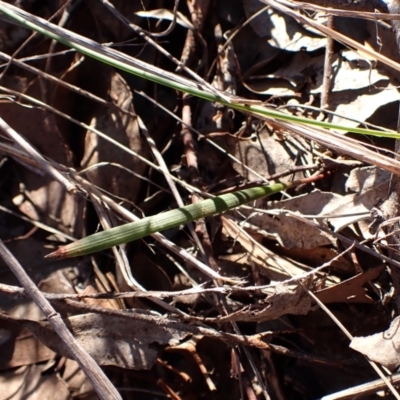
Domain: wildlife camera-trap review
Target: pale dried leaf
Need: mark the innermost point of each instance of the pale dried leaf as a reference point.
(110, 340)
(18, 346)
(350, 72)
(29, 383)
(366, 178)
(318, 256)
(362, 104)
(339, 211)
(76, 379)
(284, 32)
(103, 303)
(30, 253)
(286, 299)
(288, 231)
(388, 343)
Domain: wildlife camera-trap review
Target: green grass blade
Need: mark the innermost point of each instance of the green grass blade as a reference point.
(131, 65)
(167, 220)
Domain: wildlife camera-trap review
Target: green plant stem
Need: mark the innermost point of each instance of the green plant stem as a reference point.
(167, 220)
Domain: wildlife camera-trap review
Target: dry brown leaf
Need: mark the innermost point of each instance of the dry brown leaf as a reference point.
(38, 126)
(103, 303)
(286, 299)
(19, 347)
(190, 348)
(76, 379)
(29, 383)
(110, 340)
(339, 211)
(273, 266)
(361, 180)
(269, 157)
(287, 231)
(125, 130)
(350, 290)
(318, 256)
(48, 276)
(388, 343)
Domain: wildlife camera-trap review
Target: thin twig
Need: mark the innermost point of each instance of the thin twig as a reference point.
(363, 390)
(328, 61)
(46, 166)
(148, 39)
(95, 375)
(157, 155)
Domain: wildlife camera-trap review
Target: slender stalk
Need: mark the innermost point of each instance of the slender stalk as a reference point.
(101, 384)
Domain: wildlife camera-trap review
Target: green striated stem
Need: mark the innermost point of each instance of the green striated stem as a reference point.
(167, 220)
